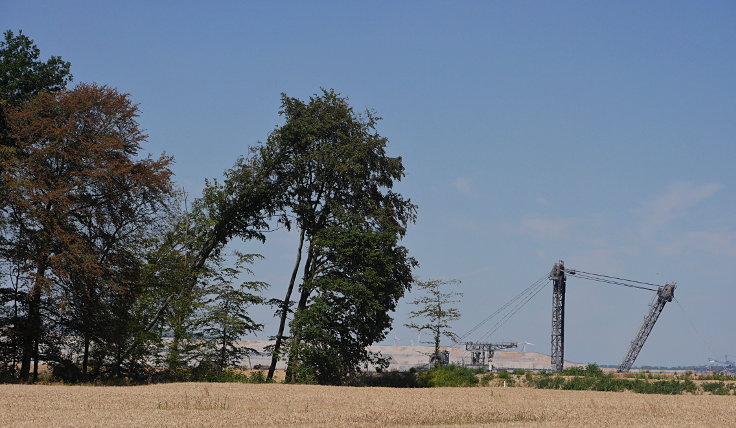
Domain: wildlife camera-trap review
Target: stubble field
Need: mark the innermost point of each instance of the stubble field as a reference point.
(207, 404)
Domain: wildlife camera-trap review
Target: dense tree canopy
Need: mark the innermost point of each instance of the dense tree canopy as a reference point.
(77, 201)
(334, 166)
(107, 272)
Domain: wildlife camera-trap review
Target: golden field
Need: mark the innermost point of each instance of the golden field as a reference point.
(235, 404)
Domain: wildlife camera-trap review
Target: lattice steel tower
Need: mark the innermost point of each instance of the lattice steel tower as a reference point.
(664, 294)
(558, 315)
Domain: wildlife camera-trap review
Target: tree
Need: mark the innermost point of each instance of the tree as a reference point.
(76, 203)
(435, 311)
(225, 313)
(333, 161)
(23, 75)
(361, 272)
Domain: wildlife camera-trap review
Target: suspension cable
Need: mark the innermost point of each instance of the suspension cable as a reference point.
(576, 271)
(513, 312)
(608, 281)
(516, 298)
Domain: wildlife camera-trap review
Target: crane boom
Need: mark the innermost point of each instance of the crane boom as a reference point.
(664, 294)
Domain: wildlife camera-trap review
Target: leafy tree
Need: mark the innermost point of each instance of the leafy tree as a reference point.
(332, 161)
(23, 75)
(240, 207)
(75, 204)
(207, 310)
(435, 311)
(225, 315)
(361, 273)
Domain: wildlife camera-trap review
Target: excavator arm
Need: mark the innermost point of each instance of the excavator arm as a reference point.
(664, 295)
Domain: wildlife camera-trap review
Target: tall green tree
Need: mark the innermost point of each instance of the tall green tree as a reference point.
(361, 271)
(435, 311)
(333, 161)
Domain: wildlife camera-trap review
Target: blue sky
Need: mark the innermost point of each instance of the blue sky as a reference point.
(600, 133)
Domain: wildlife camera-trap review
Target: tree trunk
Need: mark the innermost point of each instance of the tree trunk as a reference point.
(32, 329)
(35, 359)
(303, 296)
(85, 357)
(285, 308)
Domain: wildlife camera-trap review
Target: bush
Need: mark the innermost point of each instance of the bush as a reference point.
(387, 379)
(503, 374)
(486, 379)
(451, 375)
(715, 388)
(573, 371)
(549, 382)
(578, 383)
(607, 382)
(520, 372)
(591, 370)
(672, 387)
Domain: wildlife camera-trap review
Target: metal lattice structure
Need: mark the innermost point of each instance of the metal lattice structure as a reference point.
(558, 315)
(482, 353)
(664, 294)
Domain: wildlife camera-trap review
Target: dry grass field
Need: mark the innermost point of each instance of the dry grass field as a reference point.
(200, 404)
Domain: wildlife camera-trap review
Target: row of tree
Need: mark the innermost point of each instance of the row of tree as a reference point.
(107, 272)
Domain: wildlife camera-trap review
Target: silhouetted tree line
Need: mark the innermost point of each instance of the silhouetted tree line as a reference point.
(107, 273)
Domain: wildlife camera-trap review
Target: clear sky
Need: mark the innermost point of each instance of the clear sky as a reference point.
(600, 133)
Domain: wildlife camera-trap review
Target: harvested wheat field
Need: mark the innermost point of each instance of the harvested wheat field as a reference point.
(208, 404)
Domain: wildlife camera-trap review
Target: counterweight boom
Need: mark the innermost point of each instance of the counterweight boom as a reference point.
(664, 294)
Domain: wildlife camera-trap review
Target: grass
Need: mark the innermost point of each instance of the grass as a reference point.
(238, 404)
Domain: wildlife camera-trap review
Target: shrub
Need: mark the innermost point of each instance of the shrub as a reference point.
(715, 388)
(549, 382)
(503, 374)
(387, 379)
(573, 371)
(672, 387)
(485, 380)
(578, 383)
(607, 382)
(451, 375)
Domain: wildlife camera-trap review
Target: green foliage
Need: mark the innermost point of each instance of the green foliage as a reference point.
(715, 388)
(671, 387)
(591, 370)
(593, 378)
(391, 379)
(503, 374)
(336, 180)
(579, 383)
(486, 379)
(23, 75)
(450, 375)
(363, 274)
